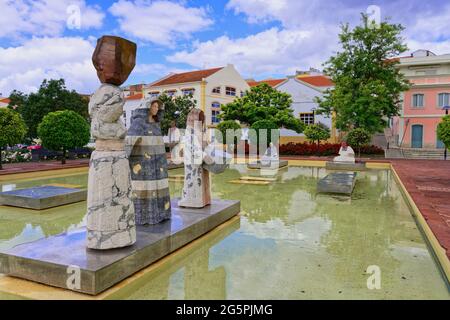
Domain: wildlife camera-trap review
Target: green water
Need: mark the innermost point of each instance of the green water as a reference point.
(289, 242)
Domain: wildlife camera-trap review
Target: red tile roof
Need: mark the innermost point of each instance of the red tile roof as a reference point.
(137, 96)
(270, 82)
(317, 81)
(192, 76)
(5, 100)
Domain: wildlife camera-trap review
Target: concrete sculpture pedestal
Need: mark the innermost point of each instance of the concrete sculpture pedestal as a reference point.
(40, 198)
(339, 182)
(272, 165)
(346, 166)
(63, 260)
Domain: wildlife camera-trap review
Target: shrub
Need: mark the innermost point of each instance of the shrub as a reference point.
(12, 129)
(263, 127)
(62, 130)
(357, 138)
(325, 149)
(443, 131)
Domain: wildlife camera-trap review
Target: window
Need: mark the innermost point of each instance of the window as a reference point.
(307, 118)
(444, 99)
(216, 90)
(242, 94)
(171, 93)
(417, 100)
(215, 111)
(154, 94)
(188, 91)
(230, 91)
(215, 116)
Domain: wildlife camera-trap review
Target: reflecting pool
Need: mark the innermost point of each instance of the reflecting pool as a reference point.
(288, 243)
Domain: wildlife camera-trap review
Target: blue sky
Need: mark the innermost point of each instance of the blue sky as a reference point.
(262, 38)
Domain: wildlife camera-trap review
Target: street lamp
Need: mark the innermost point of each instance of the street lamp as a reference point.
(446, 108)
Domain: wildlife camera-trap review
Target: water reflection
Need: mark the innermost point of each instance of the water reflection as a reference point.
(187, 274)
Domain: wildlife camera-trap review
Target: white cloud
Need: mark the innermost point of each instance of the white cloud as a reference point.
(21, 18)
(161, 22)
(265, 53)
(25, 66)
(156, 69)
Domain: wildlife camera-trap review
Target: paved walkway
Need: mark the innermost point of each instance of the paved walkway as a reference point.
(42, 166)
(428, 183)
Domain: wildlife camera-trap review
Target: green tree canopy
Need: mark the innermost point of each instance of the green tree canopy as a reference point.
(176, 108)
(228, 125)
(316, 132)
(367, 83)
(51, 96)
(443, 131)
(357, 138)
(263, 129)
(62, 130)
(12, 129)
(263, 103)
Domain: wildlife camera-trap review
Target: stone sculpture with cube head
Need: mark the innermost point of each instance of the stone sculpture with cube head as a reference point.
(110, 216)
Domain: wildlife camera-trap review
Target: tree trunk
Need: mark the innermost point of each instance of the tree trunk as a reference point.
(63, 159)
(1, 149)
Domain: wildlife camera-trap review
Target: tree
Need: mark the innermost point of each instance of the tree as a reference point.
(223, 127)
(357, 138)
(261, 128)
(176, 108)
(368, 85)
(51, 96)
(62, 130)
(263, 103)
(12, 129)
(443, 131)
(317, 132)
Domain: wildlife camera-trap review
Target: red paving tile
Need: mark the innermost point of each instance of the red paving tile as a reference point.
(42, 166)
(428, 183)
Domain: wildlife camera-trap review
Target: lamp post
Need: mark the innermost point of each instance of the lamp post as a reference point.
(446, 108)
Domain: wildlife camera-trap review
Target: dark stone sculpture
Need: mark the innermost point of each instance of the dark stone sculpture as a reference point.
(114, 58)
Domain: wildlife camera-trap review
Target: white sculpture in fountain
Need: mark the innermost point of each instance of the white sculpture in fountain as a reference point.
(346, 154)
(270, 156)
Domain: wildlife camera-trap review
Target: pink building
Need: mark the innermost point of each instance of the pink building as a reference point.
(422, 108)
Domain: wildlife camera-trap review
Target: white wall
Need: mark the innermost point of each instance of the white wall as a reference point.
(227, 77)
(128, 107)
(303, 97)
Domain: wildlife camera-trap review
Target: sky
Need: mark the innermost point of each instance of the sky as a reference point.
(262, 38)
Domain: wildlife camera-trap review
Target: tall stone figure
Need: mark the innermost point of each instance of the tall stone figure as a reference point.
(197, 187)
(110, 216)
(148, 163)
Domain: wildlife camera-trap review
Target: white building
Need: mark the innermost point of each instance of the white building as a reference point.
(211, 88)
(304, 89)
(131, 102)
(4, 102)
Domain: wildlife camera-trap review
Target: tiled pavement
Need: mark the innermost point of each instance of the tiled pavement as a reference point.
(428, 183)
(25, 167)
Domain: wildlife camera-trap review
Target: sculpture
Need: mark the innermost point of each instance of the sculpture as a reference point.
(110, 210)
(346, 154)
(175, 143)
(270, 156)
(197, 188)
(148, 163)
